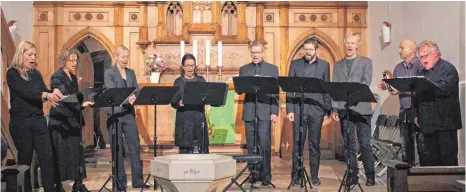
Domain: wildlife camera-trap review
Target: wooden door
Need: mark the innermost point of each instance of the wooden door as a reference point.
(85, 76)
(330, 128)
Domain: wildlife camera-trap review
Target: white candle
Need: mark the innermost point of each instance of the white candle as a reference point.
(207, 52)
(195, 49)
(181, 50)
(219, 50)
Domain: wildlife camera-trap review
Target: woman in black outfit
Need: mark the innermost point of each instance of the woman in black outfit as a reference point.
(64, 122)
(190, 119)
(28, 126)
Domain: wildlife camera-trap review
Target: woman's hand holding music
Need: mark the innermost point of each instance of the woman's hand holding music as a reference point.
(88, 104)
(54, 97)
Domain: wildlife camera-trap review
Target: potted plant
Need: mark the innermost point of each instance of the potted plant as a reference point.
(154, 66)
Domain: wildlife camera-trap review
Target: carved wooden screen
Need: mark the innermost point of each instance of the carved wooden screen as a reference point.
(175, 18)
(229, 18)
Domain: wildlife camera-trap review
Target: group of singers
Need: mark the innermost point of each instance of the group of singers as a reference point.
(437, 114)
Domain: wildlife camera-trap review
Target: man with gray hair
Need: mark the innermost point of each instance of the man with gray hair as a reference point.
(438, 111)
(355, 68)
(120, 76)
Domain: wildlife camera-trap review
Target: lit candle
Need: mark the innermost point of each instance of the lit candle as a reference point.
(195, 49)
(181, 50)
(207, 52)
(219, 54)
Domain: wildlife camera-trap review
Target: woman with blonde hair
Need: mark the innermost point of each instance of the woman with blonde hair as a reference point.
(28, 126)
(64, 123)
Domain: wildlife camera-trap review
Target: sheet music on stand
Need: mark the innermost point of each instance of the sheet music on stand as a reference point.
(69, 99)
(413, 84)
(127, 98)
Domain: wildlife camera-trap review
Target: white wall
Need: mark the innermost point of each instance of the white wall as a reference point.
(21, 11)
(442, 22)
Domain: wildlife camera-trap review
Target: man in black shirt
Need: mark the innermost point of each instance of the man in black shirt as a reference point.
(267, 112)
(438, 111)
(316, 107)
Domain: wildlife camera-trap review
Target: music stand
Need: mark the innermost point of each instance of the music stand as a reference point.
(113, 97)
(255, 85)
(204, 93)
(352, 93)
(152, 95)
(413, 84)
(301, 85)
(73, 99)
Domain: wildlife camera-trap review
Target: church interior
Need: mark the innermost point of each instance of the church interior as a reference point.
(219, 33)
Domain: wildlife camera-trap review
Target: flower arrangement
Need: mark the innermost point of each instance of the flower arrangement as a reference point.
(154, 63)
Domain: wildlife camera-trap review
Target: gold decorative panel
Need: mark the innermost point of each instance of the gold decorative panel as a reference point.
(313, 17)
(87, 16)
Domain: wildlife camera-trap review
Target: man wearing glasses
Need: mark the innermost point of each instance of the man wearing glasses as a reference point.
(316, 107)
(439, 113)
(267, 111)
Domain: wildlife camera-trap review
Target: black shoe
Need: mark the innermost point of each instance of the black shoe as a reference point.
(266, 180)
(315, 181)
(370, 181)
(141, 186)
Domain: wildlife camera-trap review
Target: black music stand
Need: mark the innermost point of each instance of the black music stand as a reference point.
(255, 85)
(413, 84)
(301, 85)
(352, 93)
(113, 97)
(152, 95)
(204, 93)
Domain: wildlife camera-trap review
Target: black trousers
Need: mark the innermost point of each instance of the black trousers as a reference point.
(312, 126)
(408, 137)
(127, 128)
(30, 134)
(263, 141)
(363, 128)
(440, 148)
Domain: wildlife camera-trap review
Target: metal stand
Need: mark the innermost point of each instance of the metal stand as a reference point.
(155, 185)
(252, 174)
(346, 181)
(116, 185)
(239, 159)
(301, 176)
(80, 187)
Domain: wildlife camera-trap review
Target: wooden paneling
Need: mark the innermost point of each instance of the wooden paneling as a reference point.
(85, 77)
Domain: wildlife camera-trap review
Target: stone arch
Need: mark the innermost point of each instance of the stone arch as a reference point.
(325, 41)
(90, 32)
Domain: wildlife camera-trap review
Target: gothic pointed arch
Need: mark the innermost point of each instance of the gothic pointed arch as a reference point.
(90, 32)
(324, 40)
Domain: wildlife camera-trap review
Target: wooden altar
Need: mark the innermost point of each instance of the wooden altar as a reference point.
(160, 25)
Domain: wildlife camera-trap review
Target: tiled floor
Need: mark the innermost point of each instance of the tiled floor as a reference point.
(331, 173)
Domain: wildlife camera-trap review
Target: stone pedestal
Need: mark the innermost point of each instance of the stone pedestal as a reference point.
(193, 172)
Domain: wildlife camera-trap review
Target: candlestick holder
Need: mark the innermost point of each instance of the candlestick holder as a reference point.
(207, 72)
(220, 73)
